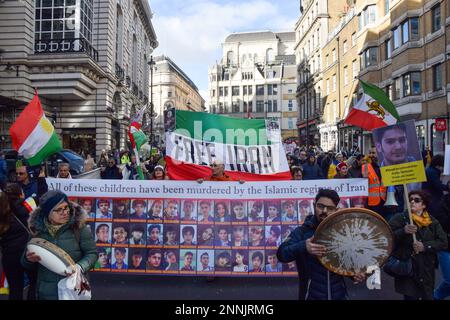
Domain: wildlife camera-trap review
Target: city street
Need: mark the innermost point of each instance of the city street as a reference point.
(142, 287)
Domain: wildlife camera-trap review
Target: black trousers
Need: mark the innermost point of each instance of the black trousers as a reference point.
(15, 274)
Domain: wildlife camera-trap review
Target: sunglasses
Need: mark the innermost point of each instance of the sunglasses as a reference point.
(416, 200)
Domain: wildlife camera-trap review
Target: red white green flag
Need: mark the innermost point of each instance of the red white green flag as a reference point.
(33, 135)
(250, 149)
(373, 110)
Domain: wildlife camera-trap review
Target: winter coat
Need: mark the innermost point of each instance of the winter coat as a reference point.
(421, 284)
(83, 252)
(316, 282)
(355, 171)
(434, 186)
(15, 239)
(35, 188)
(111, 173)
(311, 172)
(442, 214)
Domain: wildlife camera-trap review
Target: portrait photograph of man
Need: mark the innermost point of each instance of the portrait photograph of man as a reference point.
(255, 211)
(188, 235)
(120, 233)
(171, 234)
(205, 235)
(187, 260)
(171, 210)
(205, 214)
(138, 209)
(171, 259)
(121, 209)
(154, 234)
(257, 261)
(239, 211)
(104, 258)
(154, 260)
(397, 144)
(137, 234)
(88, 204)
(273, 211)
(222, 261)
(120, 259)
(188, 211)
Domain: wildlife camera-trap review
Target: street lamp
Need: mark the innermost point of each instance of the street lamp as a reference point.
(151, 63)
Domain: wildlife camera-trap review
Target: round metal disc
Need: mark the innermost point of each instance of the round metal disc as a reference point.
(355, 238)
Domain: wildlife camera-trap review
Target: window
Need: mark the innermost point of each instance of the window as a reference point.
(437, 77)
(235, 107)
(327, 60)
(259, 106)
(345, 46)
(259, 90)
(245, 106)
(406, 85)
(355, 69)
(369, 57)
(220, 107)
(436, 18)
(353, 39)
(250, 90)
(234, 90)
(372, 9)
(334, 55)
(244, 90)
(334, 83)
(405, 31)
(414, 22)
(345, 101)
(415, 83)
(213, 94)
(269, 106)
(397, 37)
(390, 92)
(290, 124)
(272, 89)
(275, 105)
(328, 86)
(345, 75)
(226, 91)
(386, 6)
(290, 105)
(388, 49)
(397, 88)
(220, 91)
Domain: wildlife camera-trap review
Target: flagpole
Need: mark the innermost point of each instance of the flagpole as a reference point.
(138, 164)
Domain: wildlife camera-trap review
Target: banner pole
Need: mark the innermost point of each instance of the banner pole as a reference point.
(138, 164)
(405, 191)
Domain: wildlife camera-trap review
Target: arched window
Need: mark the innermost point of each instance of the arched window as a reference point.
(117, 105)
(270, 55)
(230, 57)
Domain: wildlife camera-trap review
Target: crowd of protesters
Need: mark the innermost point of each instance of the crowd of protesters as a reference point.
(430, 203)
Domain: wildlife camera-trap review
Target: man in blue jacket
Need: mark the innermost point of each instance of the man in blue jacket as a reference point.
(316, 282)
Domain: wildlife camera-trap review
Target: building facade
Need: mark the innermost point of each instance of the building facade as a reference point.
(311, 31)
(256, 78)
(400, 46)
(172, 88)
(86, 58)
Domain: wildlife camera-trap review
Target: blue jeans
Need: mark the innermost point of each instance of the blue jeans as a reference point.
(443, 291)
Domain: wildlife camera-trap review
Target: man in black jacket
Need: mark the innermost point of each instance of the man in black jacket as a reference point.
(31, 187)
(316, 282)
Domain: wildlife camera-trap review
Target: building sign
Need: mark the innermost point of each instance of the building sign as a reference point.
(441, 124)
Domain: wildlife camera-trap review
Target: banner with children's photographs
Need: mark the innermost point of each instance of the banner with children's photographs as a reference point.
(213, 228)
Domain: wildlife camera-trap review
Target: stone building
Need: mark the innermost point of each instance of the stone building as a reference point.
(86, 58)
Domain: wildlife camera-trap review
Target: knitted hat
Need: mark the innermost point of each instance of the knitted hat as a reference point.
(50, 200)
(340, 165)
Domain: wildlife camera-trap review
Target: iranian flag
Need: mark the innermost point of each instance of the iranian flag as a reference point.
(250, 149)
(373, 110)
(33, 135)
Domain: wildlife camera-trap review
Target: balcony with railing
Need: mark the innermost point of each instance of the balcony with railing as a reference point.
(120, 72)
(65, 45)
(65, 68)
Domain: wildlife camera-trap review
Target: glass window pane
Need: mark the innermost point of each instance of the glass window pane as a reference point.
(414, 28)
(58, 3)
(70, 2)
(70, 24)
(37, 14)
(406, 85)
(57, 35)
(58, 25)
(70, 12)
(47, 3)
(47, 25)
(415, 81)
(396, 38)
(46, 13)
(405, 32)
(37, 3)
(58, 13)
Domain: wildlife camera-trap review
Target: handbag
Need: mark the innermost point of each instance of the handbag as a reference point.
(398, 268)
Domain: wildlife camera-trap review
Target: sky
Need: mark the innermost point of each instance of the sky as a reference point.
(191, 32)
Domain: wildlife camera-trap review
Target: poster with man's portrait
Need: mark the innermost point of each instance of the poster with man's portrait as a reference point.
(399, 154)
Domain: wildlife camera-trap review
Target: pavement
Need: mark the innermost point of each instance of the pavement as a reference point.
(145, 287)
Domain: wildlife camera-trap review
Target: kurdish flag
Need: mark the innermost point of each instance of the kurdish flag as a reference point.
(373, 110)
(33, 135)
(251, 150)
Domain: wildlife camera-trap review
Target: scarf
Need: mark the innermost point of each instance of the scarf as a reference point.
(52, 228)
(422, 221)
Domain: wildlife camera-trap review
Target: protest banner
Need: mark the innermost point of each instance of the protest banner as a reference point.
(399, 154)
(213, 228)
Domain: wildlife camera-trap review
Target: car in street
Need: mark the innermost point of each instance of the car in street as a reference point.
(75, 161)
